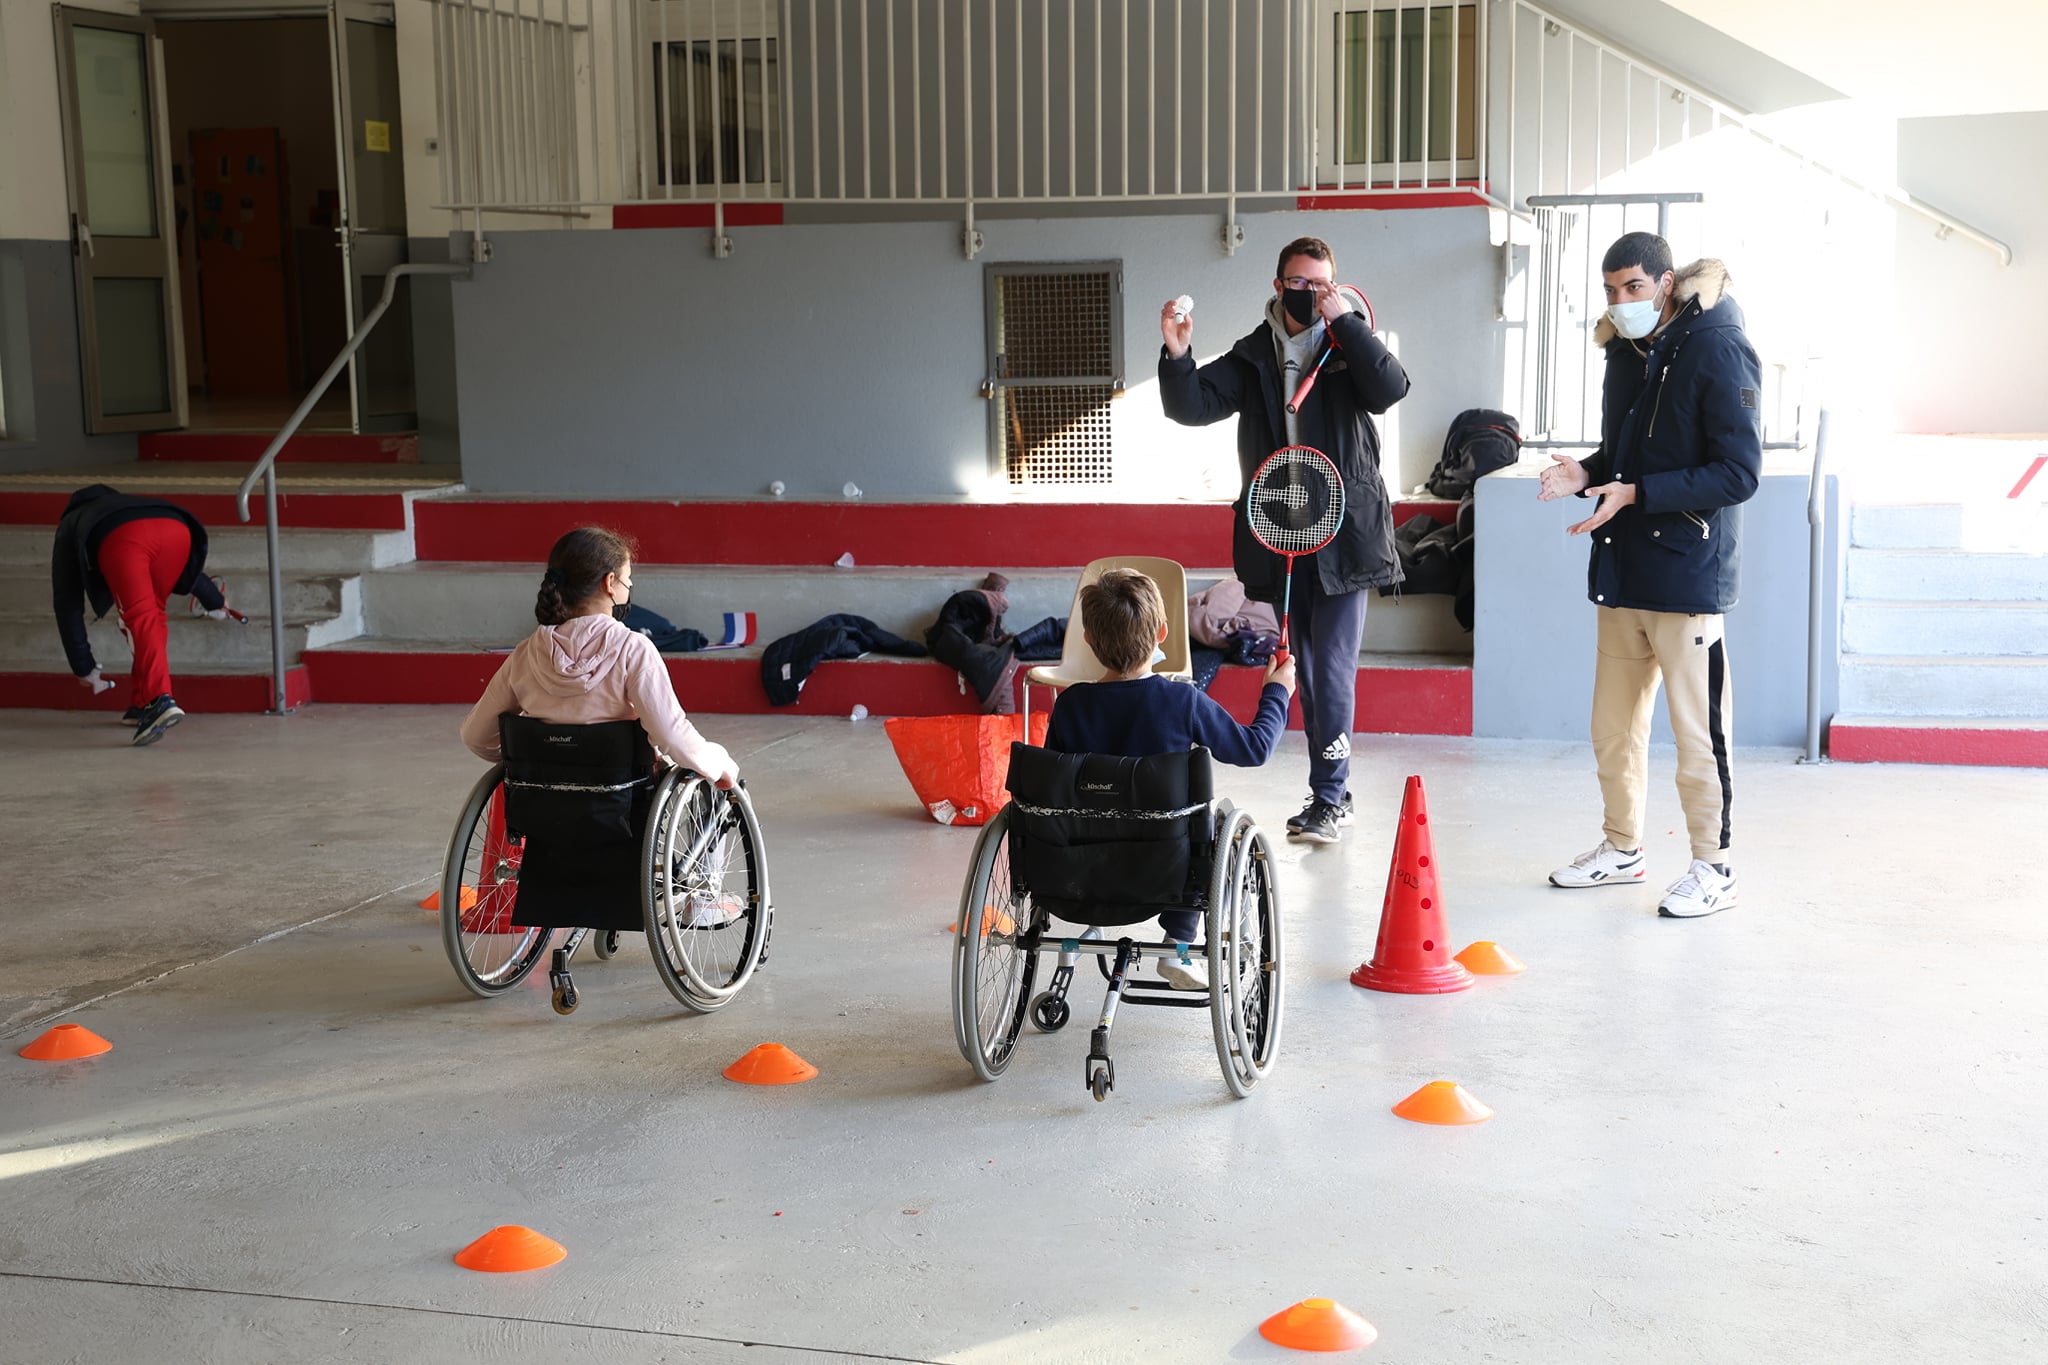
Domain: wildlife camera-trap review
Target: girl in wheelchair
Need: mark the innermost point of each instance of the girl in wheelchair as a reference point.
(581, 666)
(1134, 713)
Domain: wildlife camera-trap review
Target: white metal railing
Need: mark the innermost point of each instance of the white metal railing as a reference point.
(959, 102)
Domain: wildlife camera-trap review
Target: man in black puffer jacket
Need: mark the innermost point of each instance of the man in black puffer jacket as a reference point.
(1681, 450)
(1252, 382)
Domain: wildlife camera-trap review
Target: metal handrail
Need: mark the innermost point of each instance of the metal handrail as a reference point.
(1817, 535)
(266, 464)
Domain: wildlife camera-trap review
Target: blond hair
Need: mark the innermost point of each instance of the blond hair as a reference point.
(1123, 614)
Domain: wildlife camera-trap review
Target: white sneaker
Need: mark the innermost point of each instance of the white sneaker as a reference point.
(1701, 891)
(1191, 975)
(711, 909)
(1603, 866)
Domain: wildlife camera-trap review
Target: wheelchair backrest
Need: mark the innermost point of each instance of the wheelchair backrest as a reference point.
(1112, 833)
(579, 784)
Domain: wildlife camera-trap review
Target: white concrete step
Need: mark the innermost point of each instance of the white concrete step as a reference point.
(452, 601)
(1948, 628)
(1928, 686)
(240, 550)
(1947, 576)
(1998, 524)
(26, 591)
(29, 644)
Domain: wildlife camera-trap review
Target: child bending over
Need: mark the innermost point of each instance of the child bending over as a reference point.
(1134, 713)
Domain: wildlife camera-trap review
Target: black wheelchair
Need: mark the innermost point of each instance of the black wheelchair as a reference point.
(1108, 842)
(581, 828)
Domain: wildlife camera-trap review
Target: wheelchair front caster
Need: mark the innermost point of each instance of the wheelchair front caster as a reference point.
(1049, 1013)
(564, 997)
(1100, 1083)
(565, 1001)
(605, 944)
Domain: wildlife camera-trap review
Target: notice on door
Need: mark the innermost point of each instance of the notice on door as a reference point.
(376, 136)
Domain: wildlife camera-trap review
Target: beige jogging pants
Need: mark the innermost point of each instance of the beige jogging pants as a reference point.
(1687, 653)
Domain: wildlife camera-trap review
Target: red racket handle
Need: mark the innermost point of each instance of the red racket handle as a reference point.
(1286, 601)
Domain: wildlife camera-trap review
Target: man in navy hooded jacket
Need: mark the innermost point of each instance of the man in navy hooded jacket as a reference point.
(1680, 452)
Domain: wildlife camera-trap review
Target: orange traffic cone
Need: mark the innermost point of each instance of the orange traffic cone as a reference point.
(1487, 958)
(1444, 1102)
(1318, 1325)
(770, 1064)
(66, 1043)
(510, 1248)
(467, 900)
(1412, 956)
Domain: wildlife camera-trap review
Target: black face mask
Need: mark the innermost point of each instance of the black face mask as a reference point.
(619, 610)
(1300, 304)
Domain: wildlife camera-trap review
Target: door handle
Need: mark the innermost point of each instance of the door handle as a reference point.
(84, 236)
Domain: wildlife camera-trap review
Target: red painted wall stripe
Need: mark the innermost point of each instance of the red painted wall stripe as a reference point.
(1420, 701)
(2028, 477)
(743, 214)
(1461, 196)
(198, 693)
(1020, 535)
(319, 511)
(1961, 746)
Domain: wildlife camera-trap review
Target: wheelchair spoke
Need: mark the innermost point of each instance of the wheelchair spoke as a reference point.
(489, 950)
(707, 893)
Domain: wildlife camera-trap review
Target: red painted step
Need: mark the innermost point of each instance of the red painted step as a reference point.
(307, 510)
(246, 447)
(198, 693)
(938, 534)
(1953, 743)
(1421, 700)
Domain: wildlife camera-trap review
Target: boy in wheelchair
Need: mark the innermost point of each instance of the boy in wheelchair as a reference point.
(1133, 713)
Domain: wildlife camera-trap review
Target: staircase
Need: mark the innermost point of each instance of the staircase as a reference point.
(401, 587)
(1945, 634)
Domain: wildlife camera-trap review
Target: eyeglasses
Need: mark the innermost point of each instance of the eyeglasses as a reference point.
(1303, 282)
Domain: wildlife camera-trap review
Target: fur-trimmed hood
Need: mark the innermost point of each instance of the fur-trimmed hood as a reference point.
(1705, 279)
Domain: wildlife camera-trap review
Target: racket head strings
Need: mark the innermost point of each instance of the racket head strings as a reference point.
(1296, 501)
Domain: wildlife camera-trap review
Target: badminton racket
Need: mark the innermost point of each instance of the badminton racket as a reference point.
(1295, 505)
(1308, 381)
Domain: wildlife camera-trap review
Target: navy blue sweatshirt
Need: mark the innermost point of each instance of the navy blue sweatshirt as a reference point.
(1154, 715)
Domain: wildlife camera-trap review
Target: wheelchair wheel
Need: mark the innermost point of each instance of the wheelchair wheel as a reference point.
(992, 970)
(604, 944)
(479, 891)
(704, 890)
(1245, 971)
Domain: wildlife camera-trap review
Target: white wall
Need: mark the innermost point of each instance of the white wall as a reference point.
(1968, 352)
(33, 201)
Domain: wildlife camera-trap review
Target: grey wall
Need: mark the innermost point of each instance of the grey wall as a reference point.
(39, 353)
(433, 352)
(1532, 654)
(1976, 350)
(632, 362)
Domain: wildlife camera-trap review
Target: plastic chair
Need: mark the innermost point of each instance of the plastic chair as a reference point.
(1078, 663)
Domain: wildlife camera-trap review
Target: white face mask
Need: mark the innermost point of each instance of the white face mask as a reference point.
(1634, 320)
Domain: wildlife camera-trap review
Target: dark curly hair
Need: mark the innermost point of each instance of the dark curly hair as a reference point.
(576, 569)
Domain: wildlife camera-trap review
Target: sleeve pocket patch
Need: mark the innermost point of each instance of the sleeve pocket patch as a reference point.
(1748, 398)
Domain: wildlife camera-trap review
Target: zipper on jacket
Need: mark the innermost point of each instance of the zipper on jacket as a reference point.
(1659, 403)
(1697, 521)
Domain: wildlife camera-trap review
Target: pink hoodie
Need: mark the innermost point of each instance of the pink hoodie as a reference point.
(593, 669)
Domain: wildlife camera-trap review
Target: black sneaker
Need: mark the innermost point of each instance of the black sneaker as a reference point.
(1295, 822)
(131, 715)
(1318, 823)
(159, 716)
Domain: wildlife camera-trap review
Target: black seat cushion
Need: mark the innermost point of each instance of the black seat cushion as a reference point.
(579, 796)
(1098, 839)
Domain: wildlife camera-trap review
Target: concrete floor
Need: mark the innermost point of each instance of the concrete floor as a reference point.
(1805, 1130)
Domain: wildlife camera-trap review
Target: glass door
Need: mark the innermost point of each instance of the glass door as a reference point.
(110, 77)
(372, 225)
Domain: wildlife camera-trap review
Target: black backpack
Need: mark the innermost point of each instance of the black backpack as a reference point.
(1480, 441)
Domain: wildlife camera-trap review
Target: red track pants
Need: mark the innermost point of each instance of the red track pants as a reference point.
(141, 561)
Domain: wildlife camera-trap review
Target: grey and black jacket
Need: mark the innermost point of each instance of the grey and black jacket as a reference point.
(1361, 380)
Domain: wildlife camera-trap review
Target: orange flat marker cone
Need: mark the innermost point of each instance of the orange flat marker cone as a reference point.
(66, 1043)
(467, 900)
(770, 1064)
(1443, 1102)
(1487, 958)
(510, 1248)
(994, 920)
(1319, 1325)
(1412, 956)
